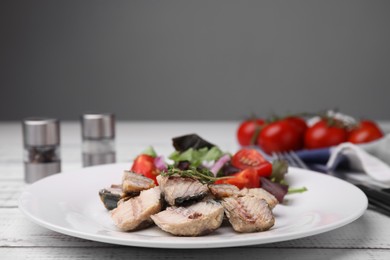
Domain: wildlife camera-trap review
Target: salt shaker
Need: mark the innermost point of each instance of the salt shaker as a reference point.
(41, 139)
(98, 134)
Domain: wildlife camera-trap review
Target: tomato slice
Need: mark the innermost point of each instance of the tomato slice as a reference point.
(144, 164)
(245, 158)
(264, 170)
(247, 178)
(250, 158)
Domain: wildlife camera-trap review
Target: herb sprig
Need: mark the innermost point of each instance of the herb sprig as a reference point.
(203, 175)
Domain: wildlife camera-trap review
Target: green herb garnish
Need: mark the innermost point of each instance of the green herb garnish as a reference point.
(203, 175)
(296, 190)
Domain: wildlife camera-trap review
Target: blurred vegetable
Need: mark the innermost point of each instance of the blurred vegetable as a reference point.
(250, 158)
(280, 136)
(219, 164)
(277, 184)
(365, 131)
(276, 189)
(298, 123)
(202, 174)
(325, 133)
(149, 151)
(185, 142)
(228, 169)
(248, 131)
(247, 178)
(251, 165)
(160, 164)
(196, 157)
(144, 164)
(279, 170)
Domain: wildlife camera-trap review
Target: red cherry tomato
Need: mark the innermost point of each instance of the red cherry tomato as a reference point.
(366, 131)
(144, 164)
(280, 136)
(247, 178)
(247, 130)
(322, 134)
(250, 158)
(298, 123)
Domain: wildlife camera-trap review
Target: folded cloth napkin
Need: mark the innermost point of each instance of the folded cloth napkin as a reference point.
(360, 160)
(372, 158)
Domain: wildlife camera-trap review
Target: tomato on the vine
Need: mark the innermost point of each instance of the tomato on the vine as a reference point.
(298, 123)
(144, 164)
(325, 133)
(247, 130)
(280, 136)
(366, 131)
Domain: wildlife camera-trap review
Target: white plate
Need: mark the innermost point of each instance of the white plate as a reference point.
(69, 203)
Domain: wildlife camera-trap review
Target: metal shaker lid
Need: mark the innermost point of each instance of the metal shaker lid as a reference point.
(96, 126)
(41, 131)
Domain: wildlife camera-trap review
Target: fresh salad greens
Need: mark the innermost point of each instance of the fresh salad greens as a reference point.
(199, 159)
(197, 156)
(150, 151)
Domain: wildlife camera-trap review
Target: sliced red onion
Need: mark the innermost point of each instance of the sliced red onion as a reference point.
(207, 164)
(219, 164)
(160, 164)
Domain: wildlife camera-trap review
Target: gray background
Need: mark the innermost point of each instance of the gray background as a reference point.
(175, 60)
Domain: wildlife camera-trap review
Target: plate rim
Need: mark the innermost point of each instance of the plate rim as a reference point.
(187, 244)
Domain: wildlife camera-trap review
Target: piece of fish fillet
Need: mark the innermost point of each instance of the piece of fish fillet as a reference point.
(134, 214)
(248, 213)
(179, 191)
(262, 193)
(198, 219)
(227, 190)
(223, 190)
(133, 182)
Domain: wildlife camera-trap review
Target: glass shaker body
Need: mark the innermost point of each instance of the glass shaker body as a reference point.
(41, 139)
(98, 134)
(98, 151)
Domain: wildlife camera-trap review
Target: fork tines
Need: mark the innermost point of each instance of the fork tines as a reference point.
(292, 159)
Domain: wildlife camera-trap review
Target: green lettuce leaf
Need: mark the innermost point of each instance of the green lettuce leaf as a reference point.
(196, 157)
(149, 151)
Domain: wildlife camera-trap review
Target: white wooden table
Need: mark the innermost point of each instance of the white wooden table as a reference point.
(366, 238)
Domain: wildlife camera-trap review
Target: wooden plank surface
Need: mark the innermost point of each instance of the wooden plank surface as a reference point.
(366, 238)
(225, 254)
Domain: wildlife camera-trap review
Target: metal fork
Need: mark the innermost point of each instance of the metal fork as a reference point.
(292, 159)
(379, 199)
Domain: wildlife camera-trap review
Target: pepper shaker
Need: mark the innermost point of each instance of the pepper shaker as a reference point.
(41, 139)
(98, 134)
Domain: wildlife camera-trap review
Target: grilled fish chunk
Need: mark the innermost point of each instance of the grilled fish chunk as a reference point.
(227, 190)
(248, 213)
(179, 191)
(134, 214)
(133, 182)
(223, 190)
(198, 219)
(110, 197)
(262, 193)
